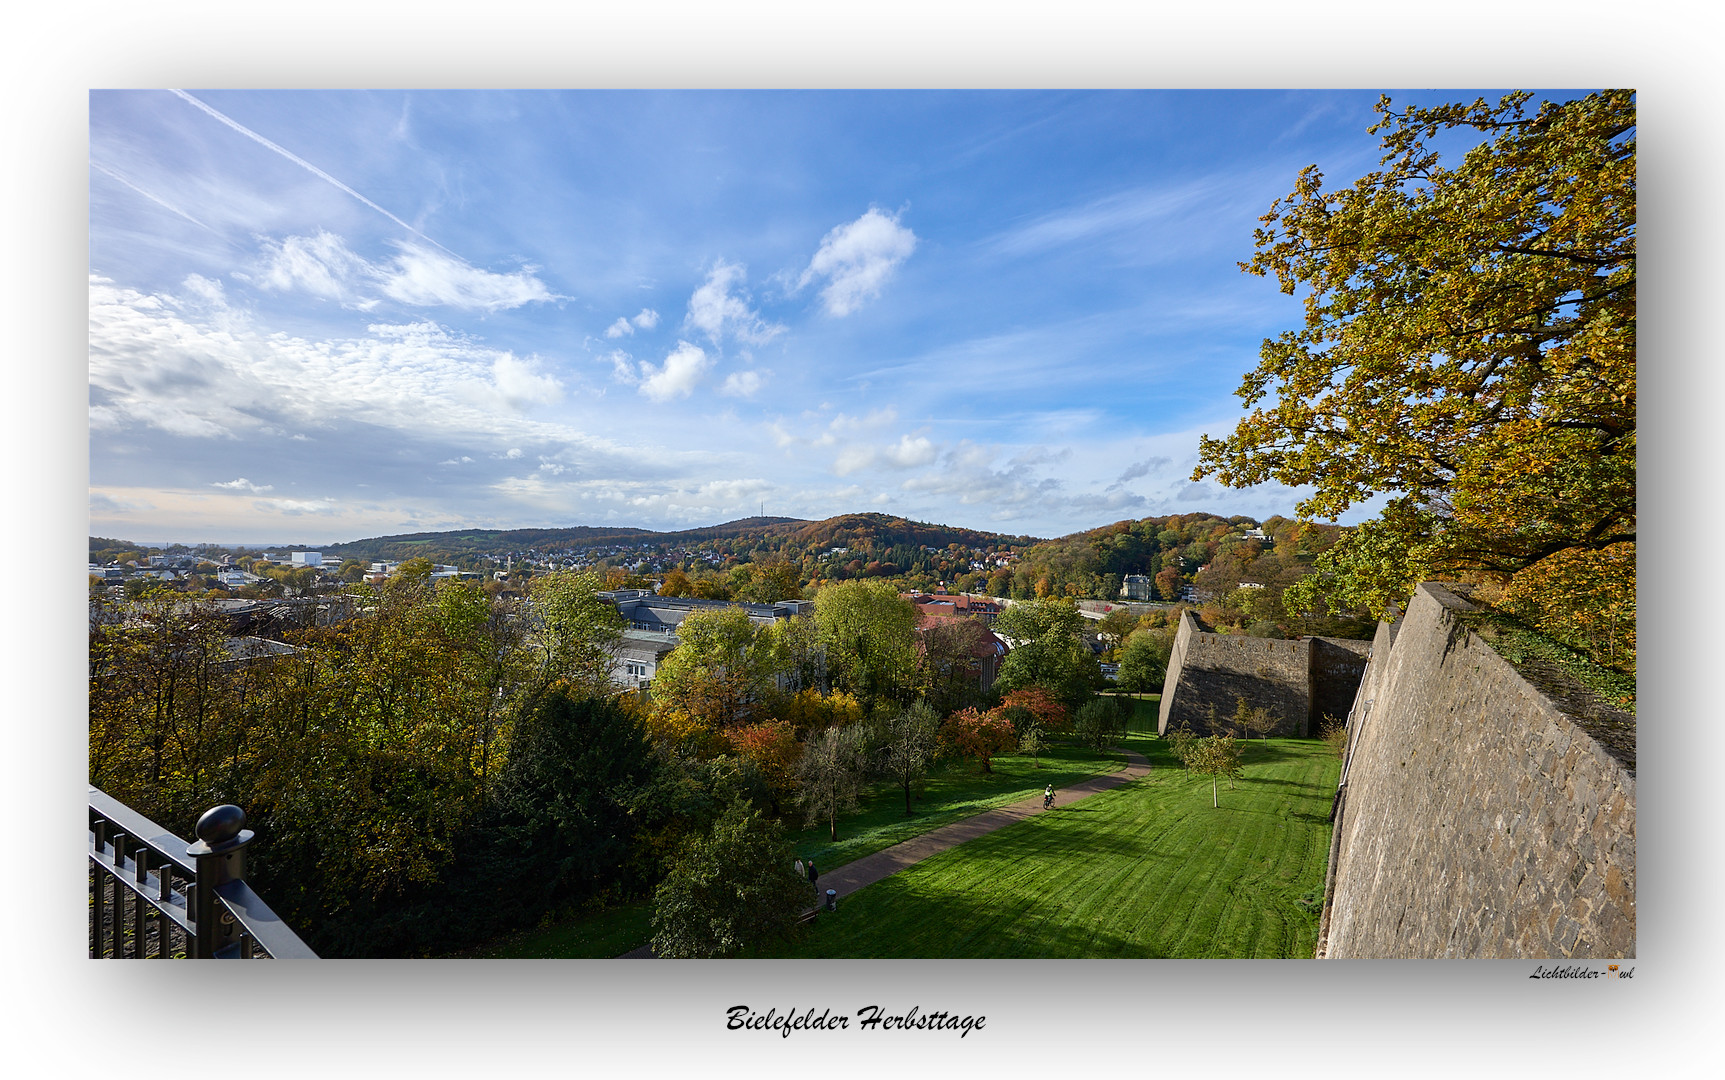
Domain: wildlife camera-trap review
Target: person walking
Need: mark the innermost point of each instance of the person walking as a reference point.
(814, 875)
(800, 870)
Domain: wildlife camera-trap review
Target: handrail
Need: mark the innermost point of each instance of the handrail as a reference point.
(198, 889)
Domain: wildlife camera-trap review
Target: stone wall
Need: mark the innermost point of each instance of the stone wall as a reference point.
(1475, 818)
(1298, 680)
(1337, 665)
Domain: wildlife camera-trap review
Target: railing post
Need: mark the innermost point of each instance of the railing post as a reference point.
(220, 857)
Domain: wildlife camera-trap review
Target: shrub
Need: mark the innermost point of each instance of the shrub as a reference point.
(1100, 723)
(1335, 733)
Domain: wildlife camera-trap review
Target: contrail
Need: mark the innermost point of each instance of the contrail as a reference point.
(99, 167)
(304, 164)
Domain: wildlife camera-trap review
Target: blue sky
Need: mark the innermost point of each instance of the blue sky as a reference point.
(318, 316)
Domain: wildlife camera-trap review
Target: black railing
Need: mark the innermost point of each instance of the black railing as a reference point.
(149, 887)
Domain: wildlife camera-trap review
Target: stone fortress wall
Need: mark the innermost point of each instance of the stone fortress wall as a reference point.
(1474, 818)
(1301, 680)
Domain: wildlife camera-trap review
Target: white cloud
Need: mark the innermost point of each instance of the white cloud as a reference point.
(714, 311)
(323, 265)
(623, 367)
(242, 484)
(514, 452)
(741, 384)
(908, 453)
(519, 384)
(625, 326)
(678, 375)
(210, 292)
(424, 277)
(857, 259)
(296, 507)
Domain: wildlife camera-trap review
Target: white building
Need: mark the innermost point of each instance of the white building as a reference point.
(308, 558)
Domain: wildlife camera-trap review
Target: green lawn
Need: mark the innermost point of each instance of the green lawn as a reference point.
(1150, 870)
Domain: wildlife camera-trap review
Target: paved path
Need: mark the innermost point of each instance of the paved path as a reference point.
(883, 864)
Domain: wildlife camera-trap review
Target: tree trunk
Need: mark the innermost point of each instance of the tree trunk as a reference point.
(1213, 803)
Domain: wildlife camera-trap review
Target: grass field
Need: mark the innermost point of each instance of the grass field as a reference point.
(1150, 870)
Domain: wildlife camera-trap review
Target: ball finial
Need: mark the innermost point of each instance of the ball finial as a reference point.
(221, 824)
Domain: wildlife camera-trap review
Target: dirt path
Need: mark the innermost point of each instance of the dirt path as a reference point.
(883, 864)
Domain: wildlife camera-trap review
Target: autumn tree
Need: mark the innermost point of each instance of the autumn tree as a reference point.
(971, 733)
(949, 648)
(1468, 350)
(718, 671)
(773, 748)
(1256, 720)
(1035, 705)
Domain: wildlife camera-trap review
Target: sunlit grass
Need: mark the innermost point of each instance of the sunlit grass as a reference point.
(1149, 870)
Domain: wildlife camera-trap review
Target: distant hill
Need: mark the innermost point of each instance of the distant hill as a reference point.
(878, 531)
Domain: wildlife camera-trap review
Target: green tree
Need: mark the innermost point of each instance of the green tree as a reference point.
(1144, 661)
(578, 630)
(796, 654)
(1033, 742)
(1101, 723)
(1182, 744)
(1048, 650)
(568, 805)
(1116, 626)
(732, 890)
(1468, 349)
(870, 637)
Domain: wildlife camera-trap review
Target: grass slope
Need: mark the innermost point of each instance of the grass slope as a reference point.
(1150, 870)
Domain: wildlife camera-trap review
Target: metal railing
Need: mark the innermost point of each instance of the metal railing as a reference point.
(191, 900)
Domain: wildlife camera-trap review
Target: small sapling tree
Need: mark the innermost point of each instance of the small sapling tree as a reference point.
(1033, 743)
(1216, 757)
(1182, 742)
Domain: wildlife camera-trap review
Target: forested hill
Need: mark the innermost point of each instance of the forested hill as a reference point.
(876, 530)
(868, 531)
